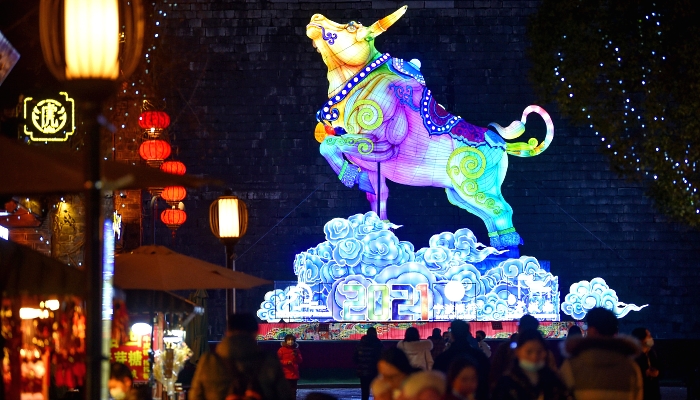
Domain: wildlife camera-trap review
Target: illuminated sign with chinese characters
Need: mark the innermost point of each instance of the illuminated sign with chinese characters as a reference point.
(49, 120)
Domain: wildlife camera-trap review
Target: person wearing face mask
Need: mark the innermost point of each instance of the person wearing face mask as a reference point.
(648, 363)
(290, 358)
(529, 377)
(120, 381)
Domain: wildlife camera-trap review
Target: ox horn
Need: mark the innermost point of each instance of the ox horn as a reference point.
(383, 24)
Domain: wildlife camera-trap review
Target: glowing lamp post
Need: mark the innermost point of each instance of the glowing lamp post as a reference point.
(228, 220)
(91, 48)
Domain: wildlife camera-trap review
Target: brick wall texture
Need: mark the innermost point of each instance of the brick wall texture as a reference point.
(244, 112)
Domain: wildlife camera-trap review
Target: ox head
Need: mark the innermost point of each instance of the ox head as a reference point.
(350, 44)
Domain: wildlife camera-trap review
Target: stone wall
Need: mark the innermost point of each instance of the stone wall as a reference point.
(244, 111)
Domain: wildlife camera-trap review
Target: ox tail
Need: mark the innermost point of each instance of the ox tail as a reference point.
(532, 147)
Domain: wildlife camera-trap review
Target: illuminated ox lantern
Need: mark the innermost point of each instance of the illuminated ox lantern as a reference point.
(381, 117)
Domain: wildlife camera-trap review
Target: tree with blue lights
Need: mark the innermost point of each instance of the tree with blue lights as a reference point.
(629, 70)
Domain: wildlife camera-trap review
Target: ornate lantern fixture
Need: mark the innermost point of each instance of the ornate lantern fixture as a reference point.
(92, 39)
(173, 195)
(153, 123)
(154, 151)
(92, 43)
(228, 220)
(173, 218)
(173, 167)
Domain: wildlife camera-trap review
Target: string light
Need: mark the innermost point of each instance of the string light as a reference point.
(630, 79)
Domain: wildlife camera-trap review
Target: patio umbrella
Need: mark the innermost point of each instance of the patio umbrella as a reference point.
(26, 271)
(159, 268)
(33, 169)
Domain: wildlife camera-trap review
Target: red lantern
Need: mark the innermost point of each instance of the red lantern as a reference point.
(173, 218)
(154, 151)
(173, 167)
(153, 122)
(173, 194)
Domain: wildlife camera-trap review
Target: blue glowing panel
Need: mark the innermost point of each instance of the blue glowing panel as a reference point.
(363, 272)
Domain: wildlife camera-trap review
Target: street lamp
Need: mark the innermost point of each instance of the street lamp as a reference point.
(96, 43)
(228, 220)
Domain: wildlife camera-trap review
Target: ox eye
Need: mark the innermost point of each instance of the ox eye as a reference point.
(351, 27)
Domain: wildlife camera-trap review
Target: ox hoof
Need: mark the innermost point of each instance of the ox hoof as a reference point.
(507, 241)
(364, 183)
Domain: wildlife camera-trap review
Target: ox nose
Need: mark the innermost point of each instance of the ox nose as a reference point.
(317, 17)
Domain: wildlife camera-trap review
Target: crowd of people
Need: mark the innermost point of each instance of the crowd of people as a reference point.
(602, 365)
(452, 366)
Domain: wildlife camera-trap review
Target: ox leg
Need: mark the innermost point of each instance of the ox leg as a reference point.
(477, 175)
(502, 235)
(334, 147)
(378, 203)
(333, 154)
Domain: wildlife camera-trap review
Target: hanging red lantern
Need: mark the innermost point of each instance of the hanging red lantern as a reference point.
(153, 122)
(173, 167)
(173, 194)
(173, 218)
(154, 151)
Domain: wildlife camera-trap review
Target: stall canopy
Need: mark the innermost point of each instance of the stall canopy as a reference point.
(32, 169)
(26, 271)
(159, 268)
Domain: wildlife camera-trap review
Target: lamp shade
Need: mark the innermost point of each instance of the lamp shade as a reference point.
(173, 167)
(173, 218)
(154, 151)
(173, 194)
(92, 39)
(228, 218)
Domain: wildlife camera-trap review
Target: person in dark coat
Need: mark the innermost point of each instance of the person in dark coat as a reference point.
(238, 367)
(366, 356)
(460, 346)
(438, 343)
(529, 377)
(648, 362)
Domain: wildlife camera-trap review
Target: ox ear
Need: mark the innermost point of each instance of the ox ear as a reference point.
(383, 24)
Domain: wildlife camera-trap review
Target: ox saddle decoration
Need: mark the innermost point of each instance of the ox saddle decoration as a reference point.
(380, 116)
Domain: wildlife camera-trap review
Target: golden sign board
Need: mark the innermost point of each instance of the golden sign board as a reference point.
(49, 120)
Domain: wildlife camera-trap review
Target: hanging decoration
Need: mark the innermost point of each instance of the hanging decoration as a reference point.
(153, 123)
(173, 195)
(154, 151)
(173, 218)
(173, 167)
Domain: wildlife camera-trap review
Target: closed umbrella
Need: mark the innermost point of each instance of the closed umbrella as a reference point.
(32, 169)
(197, 337)
(26, 271)
(159, 268)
